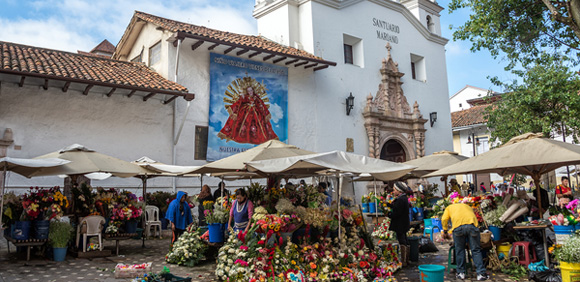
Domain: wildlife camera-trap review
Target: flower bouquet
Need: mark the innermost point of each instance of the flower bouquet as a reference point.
(188, 250)
(382, 230)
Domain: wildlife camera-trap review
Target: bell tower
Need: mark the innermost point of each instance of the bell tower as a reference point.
(427, 12)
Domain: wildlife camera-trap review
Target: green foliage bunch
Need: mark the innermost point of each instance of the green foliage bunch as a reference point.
(59, 234)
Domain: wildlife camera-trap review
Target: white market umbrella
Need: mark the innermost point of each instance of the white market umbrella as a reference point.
(84, 161)
(528, 154)
(434, 162)
(23, 167)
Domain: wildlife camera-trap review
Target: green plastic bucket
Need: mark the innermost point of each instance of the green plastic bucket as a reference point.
(431, 273)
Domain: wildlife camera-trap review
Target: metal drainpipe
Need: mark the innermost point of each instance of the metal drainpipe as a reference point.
(173, 137)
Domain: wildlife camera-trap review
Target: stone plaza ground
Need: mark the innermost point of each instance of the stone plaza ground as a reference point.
(14, 267)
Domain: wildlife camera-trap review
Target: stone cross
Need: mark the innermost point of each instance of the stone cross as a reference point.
(388, 46)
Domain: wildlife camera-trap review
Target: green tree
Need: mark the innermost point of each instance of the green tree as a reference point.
(521, 29)
(546, 101)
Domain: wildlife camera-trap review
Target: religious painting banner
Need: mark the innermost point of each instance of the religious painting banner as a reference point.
(248, 105)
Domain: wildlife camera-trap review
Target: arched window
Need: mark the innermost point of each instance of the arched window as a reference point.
(430, 24)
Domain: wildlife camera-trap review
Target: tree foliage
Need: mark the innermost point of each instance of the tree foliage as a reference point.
(522, 29)
(546, 101)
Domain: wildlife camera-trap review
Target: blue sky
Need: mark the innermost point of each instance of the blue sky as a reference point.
(73, 25)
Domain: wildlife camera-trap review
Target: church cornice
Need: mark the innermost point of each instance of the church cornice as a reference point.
(427, 5)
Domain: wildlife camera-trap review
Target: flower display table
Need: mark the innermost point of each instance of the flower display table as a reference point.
(25, 243)
(118, 237)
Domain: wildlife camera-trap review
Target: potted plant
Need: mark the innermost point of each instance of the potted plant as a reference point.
(569, 258)
(493, 220)
(59, 235)
(365, 203)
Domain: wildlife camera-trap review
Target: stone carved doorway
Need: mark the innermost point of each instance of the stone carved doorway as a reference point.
(393, 151)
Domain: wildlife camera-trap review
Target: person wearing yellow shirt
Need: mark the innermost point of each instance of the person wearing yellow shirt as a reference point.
(464, 229)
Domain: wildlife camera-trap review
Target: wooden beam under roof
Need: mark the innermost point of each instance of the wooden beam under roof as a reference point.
(45, 85)
(86, 92)
(131, 94)
(21, 83)
(255, 54)
(111, 92)
(292, 61)
(279, 60)
(269, 57)
(311, 65)
(148, 96)
(169, 100)
(320, 68)
(244, 51)
(65, 87)
(213, 46)
(230, 49)
(301, 64)
(196, 45)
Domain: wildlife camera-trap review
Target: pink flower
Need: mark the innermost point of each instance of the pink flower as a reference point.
(572, 205)
(244, 248)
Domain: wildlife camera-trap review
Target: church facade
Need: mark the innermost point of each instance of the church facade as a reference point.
(362, 76)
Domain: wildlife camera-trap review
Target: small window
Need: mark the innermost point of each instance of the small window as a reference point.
(353, 50)
(348, 54)
(137, 59)
(200, 143)
(418, 68)
(155, 53)
(460, 105)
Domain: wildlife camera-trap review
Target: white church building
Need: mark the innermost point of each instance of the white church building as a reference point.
(387, 56)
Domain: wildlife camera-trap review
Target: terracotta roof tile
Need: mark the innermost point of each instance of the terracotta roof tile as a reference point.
(473, 115)
(105, 46)
(22, 59)
(229, 37)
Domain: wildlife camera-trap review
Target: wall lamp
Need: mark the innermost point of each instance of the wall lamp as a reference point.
(349, 103)
(433, 117)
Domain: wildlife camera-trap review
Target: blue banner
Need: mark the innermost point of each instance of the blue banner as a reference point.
(248, 105)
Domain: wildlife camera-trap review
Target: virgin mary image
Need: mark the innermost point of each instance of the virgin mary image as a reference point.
(249, 117)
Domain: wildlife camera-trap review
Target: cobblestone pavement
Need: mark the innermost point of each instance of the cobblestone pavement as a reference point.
(14, 267)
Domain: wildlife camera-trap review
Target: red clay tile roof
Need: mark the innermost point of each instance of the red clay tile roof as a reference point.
(228, 37)
(28, 60)
(92, 54)
(105, 47)
(473, 115)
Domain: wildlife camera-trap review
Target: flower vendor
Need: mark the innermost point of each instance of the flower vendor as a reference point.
(204, 196)
(464, 230)
(241, 212)
(221, 191)
(322, 188)
(400, 223)
(563, 192)
(179, 214)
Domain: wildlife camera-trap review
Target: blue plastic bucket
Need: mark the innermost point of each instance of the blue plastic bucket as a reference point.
(20, 230)
(563, 232)
(216, 234)
(418, 213)
(496, 231)
(41, 229)
(131, 226)
(431, 273)
(59, 254)
(372, 207)
(437, 222)
(410, 214)
(365, 207)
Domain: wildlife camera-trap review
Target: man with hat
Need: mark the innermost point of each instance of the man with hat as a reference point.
(400, 222)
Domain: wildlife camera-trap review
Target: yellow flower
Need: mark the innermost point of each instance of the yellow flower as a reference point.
(293, 262)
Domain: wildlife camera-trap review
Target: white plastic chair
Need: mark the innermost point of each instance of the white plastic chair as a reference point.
(152, 220)
(94, 227)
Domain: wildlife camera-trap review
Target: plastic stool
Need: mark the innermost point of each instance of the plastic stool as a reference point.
(452, 263)
(523, 248)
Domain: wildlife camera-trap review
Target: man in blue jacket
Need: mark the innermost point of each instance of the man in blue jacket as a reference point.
(179, 214)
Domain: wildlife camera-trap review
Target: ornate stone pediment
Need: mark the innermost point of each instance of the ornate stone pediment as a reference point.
(389, 116)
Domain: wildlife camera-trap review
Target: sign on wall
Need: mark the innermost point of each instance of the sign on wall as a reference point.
(248, 105)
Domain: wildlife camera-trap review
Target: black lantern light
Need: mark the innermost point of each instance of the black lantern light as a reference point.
(433, 117)
(349, 103)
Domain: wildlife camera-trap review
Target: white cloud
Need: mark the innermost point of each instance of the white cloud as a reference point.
(276, 112)
(455, 48)
(73, 25)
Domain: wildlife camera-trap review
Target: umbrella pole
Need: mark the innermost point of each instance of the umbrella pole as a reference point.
(536, 179)
(144, 225)
(338, 208)
(446, 188)
(2, 195)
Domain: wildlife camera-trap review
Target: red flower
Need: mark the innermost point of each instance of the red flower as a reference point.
(363, 264)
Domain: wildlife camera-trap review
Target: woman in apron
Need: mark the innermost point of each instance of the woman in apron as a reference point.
(241, 212)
